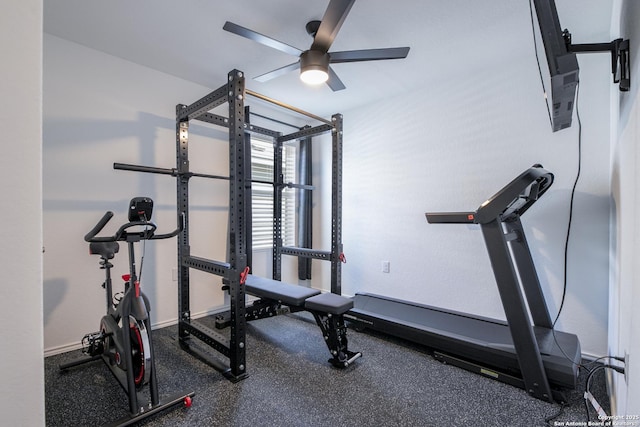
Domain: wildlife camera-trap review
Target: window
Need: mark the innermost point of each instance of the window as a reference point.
(262, 194)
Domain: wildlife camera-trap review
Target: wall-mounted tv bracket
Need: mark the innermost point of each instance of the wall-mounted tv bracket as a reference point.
(620, 64)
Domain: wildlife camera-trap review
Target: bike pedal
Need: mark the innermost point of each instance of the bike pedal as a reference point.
(93, 343)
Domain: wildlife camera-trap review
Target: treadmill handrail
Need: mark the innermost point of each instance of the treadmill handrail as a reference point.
(451, 217)
(511, 200)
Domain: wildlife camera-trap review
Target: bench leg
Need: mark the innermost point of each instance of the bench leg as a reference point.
(334, 332)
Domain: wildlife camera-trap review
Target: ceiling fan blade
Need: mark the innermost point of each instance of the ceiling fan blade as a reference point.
(260, 38)
(334, 81)
(369, 55)
(332, 20)
(277, 72)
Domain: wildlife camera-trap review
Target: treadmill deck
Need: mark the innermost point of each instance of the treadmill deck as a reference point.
(477, 339)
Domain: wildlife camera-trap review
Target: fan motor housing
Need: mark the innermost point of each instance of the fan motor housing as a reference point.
(314, 60)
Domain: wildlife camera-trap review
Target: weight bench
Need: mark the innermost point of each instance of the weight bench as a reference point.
(327, 309)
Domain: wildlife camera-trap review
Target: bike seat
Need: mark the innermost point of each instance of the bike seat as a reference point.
(106, 250)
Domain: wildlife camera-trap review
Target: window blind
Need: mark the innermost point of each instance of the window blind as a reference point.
(262, 194)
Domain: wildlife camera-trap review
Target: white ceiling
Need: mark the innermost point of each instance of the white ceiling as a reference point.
(185, 39)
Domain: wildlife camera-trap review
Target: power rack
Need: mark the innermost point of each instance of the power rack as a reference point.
(235, 269)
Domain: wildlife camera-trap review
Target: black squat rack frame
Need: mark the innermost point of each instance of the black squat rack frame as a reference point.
(235, 269)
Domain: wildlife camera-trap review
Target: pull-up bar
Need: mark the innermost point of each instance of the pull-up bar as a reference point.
(287, 106)
(174, 172)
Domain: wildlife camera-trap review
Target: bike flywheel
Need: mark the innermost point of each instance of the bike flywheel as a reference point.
(140, 352)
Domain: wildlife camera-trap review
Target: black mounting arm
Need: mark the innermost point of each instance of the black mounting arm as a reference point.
(620, 64)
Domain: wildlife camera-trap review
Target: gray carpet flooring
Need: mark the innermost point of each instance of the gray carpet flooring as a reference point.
(290, 383)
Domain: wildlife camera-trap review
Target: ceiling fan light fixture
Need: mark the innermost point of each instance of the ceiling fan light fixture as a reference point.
(314, 67)
(314, 77)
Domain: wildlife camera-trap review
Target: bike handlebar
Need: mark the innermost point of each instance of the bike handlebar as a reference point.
(173, 233)
(99, 226)
(147, 234)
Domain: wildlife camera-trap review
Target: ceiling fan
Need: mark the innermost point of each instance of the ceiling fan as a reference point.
(314, 63)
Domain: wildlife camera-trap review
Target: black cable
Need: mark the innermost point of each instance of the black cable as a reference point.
(568, 236)
(550, 418)
(571, 202)
(586, 366)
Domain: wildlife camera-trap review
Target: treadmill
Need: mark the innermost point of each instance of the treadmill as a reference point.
(524, 351)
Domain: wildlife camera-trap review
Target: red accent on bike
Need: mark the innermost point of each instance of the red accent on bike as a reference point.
(243, 275)
(470, 217)
(343, 258)
(140, 375)
(137, 288)
(126, 277)
(188, 402)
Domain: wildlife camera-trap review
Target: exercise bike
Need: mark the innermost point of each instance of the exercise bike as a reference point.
(124, 339)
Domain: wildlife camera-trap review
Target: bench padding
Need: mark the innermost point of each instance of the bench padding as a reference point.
(329, 303)
(292, 295)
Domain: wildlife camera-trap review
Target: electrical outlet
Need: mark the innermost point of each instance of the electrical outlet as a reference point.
(386, 265)
(174, 274)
